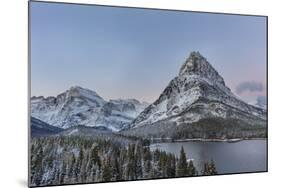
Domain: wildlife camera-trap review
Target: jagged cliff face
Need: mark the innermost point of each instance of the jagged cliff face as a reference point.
(80, 106)
(197, 93)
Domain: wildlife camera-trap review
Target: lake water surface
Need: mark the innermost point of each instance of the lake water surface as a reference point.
(236, 157)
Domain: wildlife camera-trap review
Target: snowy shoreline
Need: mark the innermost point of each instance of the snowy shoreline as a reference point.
(219, 140)
(164, 140)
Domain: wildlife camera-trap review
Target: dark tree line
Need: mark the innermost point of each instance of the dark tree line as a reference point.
(69, 160)
(218, 128)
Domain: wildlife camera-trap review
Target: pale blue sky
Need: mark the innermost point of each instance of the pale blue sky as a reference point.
(134, 53)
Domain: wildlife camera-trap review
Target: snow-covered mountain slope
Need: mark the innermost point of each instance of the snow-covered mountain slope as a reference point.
(261, 102)
(80, 106)
(40, 128)
(98, 133)
(197, 93)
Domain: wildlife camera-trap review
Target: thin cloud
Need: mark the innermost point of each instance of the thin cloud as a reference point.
(250, 87)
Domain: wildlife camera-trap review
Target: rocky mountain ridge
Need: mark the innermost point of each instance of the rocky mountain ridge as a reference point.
(80, 106)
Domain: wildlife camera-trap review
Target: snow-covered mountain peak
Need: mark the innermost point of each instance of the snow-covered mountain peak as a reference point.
(77, 91)
(197, 81)
(80, 106)
(197, 66)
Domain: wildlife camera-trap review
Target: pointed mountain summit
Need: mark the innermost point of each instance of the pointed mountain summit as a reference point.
(197, 65)
(198, 94)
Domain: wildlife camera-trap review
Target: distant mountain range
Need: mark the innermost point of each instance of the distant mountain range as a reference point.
(195, 104)
(261, 102)
(79, 106)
